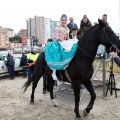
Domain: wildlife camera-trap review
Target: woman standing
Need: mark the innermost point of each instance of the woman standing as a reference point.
(59, 53)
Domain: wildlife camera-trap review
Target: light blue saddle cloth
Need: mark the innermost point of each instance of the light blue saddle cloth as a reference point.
(57, 57)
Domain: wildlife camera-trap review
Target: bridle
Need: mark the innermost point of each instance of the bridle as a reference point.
(104, 34)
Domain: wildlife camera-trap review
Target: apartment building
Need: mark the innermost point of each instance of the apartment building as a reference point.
(48, 29)
(4, 38)
(37, 27)
(22, 32)
(11, 32)
(54, 24)
(41, 28)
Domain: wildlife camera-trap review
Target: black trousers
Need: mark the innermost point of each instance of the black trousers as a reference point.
(11, 71)
(48, 82)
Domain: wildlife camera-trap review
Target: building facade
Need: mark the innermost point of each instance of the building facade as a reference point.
(22, 32)
(41, 28)
(54, 24)
(4, 38)
(11, 33)
(36, 28)
(48, 29)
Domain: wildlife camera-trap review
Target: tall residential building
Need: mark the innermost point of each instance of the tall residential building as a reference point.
(37, 27)
(4, 38)
(41, 28)
(22, 32)
(54, 24)
(48, 29)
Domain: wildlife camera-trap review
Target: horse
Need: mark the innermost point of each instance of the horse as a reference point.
(80, 69)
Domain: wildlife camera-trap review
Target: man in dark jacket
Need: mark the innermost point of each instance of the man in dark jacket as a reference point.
(115, 57)
(23, 63)
(71, 25)
(9, 61)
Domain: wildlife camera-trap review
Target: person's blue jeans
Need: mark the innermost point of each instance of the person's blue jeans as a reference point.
(11, 71)
(30, 71)
(25, 71)
(45, 79)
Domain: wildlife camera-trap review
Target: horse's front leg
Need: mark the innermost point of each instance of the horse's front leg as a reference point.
(89, 87)
(76, 88)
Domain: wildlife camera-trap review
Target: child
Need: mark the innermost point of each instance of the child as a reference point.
(74, 33)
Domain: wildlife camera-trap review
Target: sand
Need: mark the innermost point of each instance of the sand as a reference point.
(15, 105)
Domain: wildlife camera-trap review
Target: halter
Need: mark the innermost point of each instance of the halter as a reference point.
(104, 34)
(112, 45)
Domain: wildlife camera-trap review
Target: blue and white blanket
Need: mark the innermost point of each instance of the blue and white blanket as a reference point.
(59, 54)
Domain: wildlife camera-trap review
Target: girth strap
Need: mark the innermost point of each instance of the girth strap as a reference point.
(67, 75)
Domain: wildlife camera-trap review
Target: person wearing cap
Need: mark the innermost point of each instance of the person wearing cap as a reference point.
(85, 25)
(23, 63)
(71, 25)
(32, 57)
(9, 61)
(115, 57)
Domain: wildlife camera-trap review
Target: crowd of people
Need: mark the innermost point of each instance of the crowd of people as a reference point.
(64, 32)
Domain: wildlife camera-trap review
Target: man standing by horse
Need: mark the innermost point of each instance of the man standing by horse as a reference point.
(9, 61)
(32, 57)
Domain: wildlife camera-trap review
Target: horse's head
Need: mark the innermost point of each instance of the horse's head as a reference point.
(107, 36)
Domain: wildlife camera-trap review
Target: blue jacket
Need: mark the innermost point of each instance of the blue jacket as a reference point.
(117, 61)
(23, 61)
(9, 60)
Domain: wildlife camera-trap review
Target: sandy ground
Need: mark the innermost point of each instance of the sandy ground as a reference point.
(14, 104)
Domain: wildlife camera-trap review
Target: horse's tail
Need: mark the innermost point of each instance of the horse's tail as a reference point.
(38, 71)
(27, 83)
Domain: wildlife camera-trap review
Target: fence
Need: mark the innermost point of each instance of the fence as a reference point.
(116, 69)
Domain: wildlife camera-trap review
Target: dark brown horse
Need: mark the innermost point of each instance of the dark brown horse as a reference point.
(80, 69)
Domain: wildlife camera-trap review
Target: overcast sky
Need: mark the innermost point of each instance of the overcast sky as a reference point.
(14, 13)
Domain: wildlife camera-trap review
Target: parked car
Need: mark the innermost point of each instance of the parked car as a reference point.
(3, 68)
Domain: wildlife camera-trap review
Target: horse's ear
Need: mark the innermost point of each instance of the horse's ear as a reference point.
(101, 22)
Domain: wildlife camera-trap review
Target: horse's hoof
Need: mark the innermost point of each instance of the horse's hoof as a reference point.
(77, 118)
(55, 104)
(85, 113)
(31, 103)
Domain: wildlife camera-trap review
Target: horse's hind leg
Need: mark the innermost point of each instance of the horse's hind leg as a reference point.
(34, 85)
(89, 87)
(76, 86)
(37, 74)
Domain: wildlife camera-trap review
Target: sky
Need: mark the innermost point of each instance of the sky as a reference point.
(14, 13)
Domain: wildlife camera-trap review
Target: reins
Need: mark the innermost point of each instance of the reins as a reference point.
(104, 34)
(85, 53)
